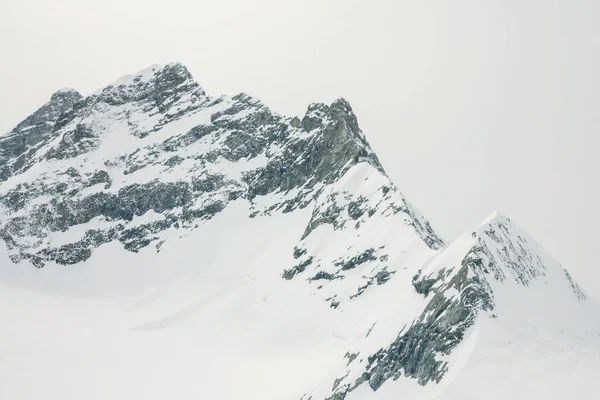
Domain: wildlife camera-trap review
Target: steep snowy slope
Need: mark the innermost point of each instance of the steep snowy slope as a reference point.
(158, 242)
(503, 319)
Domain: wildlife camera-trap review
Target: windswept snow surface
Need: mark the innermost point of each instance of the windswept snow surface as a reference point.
(208, 317)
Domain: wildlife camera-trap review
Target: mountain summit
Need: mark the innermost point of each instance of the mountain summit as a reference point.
(190, 246)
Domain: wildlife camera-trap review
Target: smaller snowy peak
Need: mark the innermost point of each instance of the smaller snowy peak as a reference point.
(499, 220)
(497, 251)
(521, 255)
(493, 217)
(496, 271)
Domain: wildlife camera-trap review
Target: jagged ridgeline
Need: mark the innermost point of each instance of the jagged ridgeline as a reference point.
(151, 158)
(155, 142)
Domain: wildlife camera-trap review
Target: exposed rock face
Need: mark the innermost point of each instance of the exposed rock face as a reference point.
(19, 145)
(336, 140)
(158, 86)
(439, 329)
(97, 161)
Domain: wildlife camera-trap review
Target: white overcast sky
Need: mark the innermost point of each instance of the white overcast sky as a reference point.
(472, 105)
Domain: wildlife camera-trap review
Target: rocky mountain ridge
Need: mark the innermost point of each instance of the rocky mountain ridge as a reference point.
(151, 159)
(292, 157)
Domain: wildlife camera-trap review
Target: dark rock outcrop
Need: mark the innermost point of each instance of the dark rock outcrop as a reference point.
(19, 145)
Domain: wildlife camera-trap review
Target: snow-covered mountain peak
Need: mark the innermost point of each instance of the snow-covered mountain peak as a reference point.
(495, 216)
(150, 74)
(500, 252)
(161, 210)
(97, 165)
(156, 82)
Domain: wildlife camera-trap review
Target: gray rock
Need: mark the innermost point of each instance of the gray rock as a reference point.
(441, 326)
(353, 262)
(302, 154)
(19, 145)
(290, 273)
